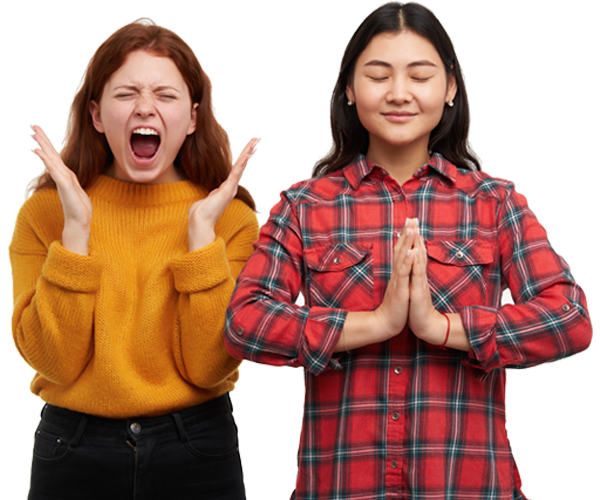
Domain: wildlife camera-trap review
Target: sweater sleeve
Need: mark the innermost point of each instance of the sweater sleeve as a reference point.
(54, 300)
(205, 280)
(549, 319)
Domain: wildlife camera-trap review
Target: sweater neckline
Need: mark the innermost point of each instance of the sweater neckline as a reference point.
(133, 193)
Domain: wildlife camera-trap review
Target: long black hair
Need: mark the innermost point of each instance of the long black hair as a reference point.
(350, 138)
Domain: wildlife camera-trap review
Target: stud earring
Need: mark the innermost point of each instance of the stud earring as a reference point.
(451, 104)
(350, 103)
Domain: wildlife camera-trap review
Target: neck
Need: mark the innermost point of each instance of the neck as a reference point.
(400, 162)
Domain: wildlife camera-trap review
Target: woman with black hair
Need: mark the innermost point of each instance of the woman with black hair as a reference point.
(402, 248)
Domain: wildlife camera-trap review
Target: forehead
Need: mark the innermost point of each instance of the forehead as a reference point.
(399, 49)
(145, 69)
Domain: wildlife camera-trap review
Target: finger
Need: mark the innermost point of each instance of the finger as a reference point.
(405, 242)
(42, 139)
(251, 146)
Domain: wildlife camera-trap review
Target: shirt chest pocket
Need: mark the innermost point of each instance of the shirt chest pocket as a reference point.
(340, 275)
(458, 272)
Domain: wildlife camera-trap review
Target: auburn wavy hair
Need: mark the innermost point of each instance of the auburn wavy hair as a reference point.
(205, 155)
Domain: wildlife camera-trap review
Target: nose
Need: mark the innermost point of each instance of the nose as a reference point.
(399, 91)
(145, 106)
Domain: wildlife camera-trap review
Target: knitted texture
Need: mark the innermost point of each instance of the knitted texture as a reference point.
(136, 327)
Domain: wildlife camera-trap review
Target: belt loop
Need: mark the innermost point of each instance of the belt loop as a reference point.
(180, 427)
(80, 428)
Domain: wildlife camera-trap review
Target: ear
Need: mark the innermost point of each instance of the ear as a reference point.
(96, 119)
(451, 91)
(192, 128)
(350, 93)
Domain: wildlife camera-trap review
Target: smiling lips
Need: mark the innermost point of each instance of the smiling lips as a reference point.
(399, 116)
(144, 142)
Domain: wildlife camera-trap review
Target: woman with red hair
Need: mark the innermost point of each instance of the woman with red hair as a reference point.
(124, 260)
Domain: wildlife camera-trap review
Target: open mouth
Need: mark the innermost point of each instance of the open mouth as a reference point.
(144, 142)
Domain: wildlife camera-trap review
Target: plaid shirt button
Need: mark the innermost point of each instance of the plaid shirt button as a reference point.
(394, 464)
(395, 416)
(240, 331)
(401, 197)
(337, 260)
(398, 370)
(460, 254)
(566, 307)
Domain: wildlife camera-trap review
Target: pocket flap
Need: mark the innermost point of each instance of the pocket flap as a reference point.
(460, 252)
(335, 257)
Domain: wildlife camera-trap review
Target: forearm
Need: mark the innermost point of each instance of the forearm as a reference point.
(202, 315)
(449, 332)
(552, 326)
(205, 279)
(54, 311)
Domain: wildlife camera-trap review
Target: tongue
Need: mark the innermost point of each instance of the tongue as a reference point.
(144, 146)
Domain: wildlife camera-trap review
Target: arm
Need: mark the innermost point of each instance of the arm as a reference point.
(264, 324)
(205, 279)
(549, 319)
(54, 297)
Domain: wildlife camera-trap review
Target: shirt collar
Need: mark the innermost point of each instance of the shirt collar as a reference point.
(356, 172)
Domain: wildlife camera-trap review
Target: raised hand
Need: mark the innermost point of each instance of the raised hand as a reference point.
(203, 214)
(394, 309)
(76, 205)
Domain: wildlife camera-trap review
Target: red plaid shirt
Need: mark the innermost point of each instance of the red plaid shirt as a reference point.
(403, 419)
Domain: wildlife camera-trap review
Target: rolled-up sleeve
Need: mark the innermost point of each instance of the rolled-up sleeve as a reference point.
(263, 323)
(549, 318)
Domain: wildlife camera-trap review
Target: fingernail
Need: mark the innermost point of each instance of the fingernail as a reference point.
(407, 231)
(406, 222)
(408, 253)
(398, 234)
(416, 251)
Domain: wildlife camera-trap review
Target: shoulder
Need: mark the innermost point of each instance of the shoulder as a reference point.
(481, 184)
(317, 189)
(39, 222)
(237, 216)
(41, 208)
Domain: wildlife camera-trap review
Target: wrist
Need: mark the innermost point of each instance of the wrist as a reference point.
(446, 329)
(76, 239)
(381, 327)
(200, 239)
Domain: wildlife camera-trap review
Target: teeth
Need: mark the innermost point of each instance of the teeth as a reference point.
(145, 131)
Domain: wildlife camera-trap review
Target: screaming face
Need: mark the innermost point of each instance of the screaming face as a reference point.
(145, 112)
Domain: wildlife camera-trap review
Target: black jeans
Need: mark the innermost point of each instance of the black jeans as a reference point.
(188, 454)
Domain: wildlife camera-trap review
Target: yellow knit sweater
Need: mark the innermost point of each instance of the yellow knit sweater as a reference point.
(136, 327)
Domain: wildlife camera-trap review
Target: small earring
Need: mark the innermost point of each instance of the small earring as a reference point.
(350, 103)
(451, 104)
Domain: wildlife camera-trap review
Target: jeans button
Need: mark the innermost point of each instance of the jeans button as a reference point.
(135, 428)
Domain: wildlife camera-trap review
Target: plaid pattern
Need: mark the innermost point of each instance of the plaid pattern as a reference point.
(403, 419)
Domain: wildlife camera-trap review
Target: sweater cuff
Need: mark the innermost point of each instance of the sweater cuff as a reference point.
(480, 325)
(72, 271)
(201, 269)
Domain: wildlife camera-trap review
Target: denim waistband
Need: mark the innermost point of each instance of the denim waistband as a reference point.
(203, 411)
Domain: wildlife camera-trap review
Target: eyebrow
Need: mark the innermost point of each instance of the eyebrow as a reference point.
(160, 88)
(423, 62)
